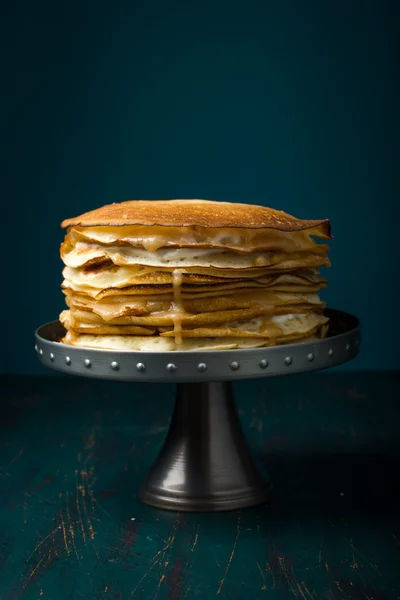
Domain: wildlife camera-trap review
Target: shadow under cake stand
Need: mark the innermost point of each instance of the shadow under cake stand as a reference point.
(204, 464)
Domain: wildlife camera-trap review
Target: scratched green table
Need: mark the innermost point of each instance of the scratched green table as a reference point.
(73, 453)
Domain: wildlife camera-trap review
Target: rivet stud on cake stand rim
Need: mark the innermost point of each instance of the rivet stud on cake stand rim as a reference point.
(205, 464)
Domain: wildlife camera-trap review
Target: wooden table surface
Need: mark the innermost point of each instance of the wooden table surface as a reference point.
(73, 453)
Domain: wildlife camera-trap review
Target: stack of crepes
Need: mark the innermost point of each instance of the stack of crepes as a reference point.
(192, 274)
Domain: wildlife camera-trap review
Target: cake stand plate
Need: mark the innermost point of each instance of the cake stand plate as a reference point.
(204, 464)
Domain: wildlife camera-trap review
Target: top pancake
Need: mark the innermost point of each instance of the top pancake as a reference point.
(200, 213)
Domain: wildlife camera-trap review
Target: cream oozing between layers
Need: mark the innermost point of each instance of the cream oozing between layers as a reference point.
(153, 238)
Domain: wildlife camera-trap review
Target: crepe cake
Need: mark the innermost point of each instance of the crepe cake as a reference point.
(192, 274)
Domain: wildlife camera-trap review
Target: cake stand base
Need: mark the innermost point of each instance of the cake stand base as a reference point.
(205, 464)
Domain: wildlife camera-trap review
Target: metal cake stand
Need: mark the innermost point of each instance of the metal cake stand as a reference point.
(204, 464)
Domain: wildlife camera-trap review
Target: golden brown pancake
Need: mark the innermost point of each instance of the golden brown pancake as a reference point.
(163, 344)
(200, 213)
(121, 306)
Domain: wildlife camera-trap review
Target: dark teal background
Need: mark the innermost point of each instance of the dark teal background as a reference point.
(289, 104)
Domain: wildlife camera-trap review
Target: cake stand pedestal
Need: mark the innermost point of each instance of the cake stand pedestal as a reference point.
(205, 464)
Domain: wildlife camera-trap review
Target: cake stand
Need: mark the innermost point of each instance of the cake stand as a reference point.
(204, 464)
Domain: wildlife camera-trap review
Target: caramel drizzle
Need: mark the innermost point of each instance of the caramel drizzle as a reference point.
(179, 310)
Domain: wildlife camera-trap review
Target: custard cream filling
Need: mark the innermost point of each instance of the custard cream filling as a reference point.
(83, 252)
(154, 237)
